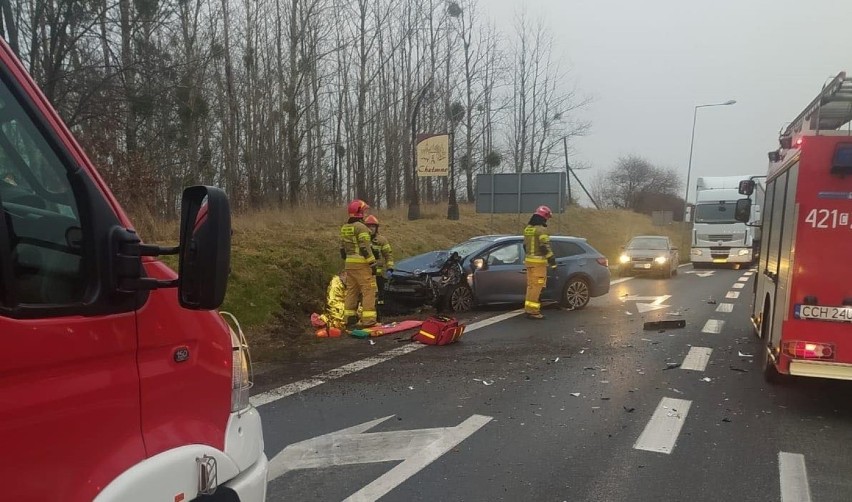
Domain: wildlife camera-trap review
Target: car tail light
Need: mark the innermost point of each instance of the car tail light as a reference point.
(809, 350)
(242, 378)
(603, 261)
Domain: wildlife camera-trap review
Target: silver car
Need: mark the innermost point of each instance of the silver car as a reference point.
(649, 254)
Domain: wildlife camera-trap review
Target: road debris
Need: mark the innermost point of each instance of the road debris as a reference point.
(726, 420)
(575, 394)
(668, 324)
(671, 366)
(372, 342)
(629, 410)
(711, 302)
(734, 368)
(675, 314)
(579, 331)
(742, 354)
(706, 379)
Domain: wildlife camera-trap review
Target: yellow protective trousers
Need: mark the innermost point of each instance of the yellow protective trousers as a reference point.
(536, 281)
(360, 283)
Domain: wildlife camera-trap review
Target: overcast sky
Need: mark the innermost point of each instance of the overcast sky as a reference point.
(647, 63)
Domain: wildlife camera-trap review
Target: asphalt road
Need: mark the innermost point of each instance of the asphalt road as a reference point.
(584, 405)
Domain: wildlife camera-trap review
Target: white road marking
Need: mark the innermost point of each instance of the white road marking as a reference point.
(713, 326)
(412, 465)
(656, 302)
(347, 369)
(739, 285)
(661, 432)
(733, 294)
(794, 478)
(354, 445)
(725, 307)
(743, 279)
(696, 359)
(748, 274)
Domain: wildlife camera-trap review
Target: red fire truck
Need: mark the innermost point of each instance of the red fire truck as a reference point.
(118, 380)
(802, 307)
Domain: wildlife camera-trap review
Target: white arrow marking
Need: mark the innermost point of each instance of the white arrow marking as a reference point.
(416, 448)
(701, 274)
(656, 302)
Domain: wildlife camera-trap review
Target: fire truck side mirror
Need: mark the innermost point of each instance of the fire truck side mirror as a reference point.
(742, 213)
(205, 248)
(746, 187)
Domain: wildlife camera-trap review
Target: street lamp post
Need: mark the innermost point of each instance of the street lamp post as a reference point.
(692, 145)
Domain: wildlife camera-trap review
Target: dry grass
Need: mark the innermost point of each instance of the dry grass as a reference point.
(282, 260)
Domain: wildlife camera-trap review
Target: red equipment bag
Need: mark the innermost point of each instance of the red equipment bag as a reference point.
(439, 330)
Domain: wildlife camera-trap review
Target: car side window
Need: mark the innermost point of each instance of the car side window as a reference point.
(42, 224)
(564, 249)
(509, 254)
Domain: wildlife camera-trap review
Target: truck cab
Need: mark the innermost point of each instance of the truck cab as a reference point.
(717, 237)
(118, 378)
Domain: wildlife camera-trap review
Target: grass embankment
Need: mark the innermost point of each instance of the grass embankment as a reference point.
(281, 261)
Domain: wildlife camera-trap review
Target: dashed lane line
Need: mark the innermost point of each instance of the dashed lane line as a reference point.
(794, 477)
(713, 326)
(725, 308)
(696, 359)
(663, 429)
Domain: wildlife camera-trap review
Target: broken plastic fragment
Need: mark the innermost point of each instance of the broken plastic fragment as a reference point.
(706, 379)
(575, 394)
(372, 342)
(488, 382)
(410, 388)
(744, 355)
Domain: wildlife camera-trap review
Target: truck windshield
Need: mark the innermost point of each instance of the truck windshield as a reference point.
(715, 213)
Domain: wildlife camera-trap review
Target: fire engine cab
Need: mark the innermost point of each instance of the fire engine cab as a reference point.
(802, 308)
(118, 380)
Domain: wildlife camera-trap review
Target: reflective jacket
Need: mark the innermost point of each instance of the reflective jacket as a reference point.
(355, 244)
(536, 245)
(383, 253)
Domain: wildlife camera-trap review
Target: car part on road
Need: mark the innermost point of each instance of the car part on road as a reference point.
(576, 294)
(669, 324)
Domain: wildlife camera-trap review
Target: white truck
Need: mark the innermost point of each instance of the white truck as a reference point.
(717, 237)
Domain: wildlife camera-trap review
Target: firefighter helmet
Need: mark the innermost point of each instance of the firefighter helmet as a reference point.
(371, 220)
(544, 212)
(357, 208)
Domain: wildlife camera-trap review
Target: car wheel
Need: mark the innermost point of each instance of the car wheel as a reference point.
(576, 294)
(459, 299)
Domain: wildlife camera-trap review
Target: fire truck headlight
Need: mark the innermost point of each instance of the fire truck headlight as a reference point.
(696, 252)
(744, 252)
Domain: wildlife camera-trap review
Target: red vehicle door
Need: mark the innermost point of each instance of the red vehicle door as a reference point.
(69, 384)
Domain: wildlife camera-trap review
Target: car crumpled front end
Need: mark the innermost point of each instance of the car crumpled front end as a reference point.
(426, 286)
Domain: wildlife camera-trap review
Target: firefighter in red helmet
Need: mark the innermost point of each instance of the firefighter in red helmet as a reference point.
(356, 250)
(538, 256)
(383, 253)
